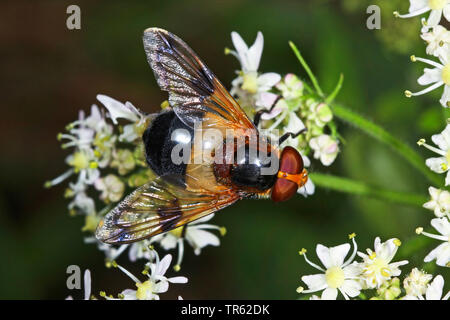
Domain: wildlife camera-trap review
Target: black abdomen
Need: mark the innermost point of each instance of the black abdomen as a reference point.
(159, 145)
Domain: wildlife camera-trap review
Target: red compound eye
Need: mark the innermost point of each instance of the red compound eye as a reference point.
(290, 175)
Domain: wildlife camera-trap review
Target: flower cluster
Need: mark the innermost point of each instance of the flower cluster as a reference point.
(437, 38)
(287, 106)
(376, 272)
(107, 162)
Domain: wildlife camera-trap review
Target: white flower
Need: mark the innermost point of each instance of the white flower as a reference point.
(308, 189)
(194, 233)
(435, 77)
(123, 160)
(433, 291)
(281, 111)
(439, 164)
(87, 286)
(438, 41)
(439, 203)
(111, 252)
(80, 134)
(291, 87)
(248, 57)
(377, 266)
(83, 203)
(325, 148)
(416, 282)
(249, 85)
(117, 109)
(442, 252)
(337, 275)
(141, 250)
(83, 160)
(157, 283)
(437, 8)
(112, 188)
(126, 111)
(85, 164)
(320, 114)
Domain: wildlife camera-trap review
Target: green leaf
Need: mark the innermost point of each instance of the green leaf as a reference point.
(358, 188)
(307, 69)
(385, 137)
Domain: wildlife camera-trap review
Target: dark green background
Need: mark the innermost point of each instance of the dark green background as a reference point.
(50, 72)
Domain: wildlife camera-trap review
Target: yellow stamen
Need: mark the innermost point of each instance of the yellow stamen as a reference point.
(419, 230)
(446, 74)
(302, 252)
(143, 289)
(334, 277)
(437, 4)
(351, 235)
(165, 104)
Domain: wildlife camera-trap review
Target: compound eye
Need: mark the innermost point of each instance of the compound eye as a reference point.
(290, 162)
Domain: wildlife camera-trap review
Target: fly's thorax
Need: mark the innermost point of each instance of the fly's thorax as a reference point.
(248, 167)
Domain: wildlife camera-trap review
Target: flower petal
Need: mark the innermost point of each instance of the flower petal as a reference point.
(434, 290)
(329, 294)
(434, 18)
(199, 239)
(255, 52)
(87, 284)
(417, 5)
(178, 280)
(161, 287)
(163, 265)
(241, 49)
(442, 225)
(430, 76)
(437, 164)
(351, 287)
(267, 80)
(338, 254)
(315, 282)
(324, 255)
(117, 109)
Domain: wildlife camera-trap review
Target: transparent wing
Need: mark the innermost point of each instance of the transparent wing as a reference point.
(157, 207)
(194, 91)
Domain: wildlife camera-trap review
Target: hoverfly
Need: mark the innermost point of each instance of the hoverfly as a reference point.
(186, 192)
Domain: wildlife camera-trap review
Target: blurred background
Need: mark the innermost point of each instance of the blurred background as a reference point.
(50, 72)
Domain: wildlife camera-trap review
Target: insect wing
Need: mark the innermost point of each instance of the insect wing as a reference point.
(157, 207)
(195, 93)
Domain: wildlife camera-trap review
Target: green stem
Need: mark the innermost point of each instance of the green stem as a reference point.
(355, 187)
(336, 90)
(385, 137)
(307, 68)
